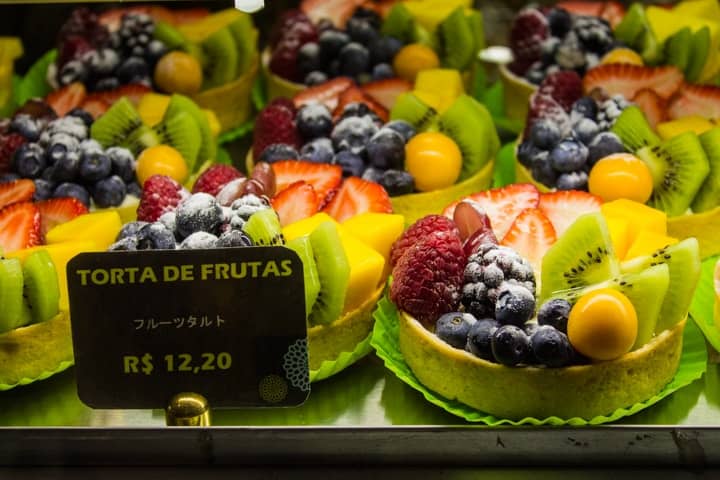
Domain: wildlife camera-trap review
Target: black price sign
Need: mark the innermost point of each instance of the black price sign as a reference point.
(228, 324)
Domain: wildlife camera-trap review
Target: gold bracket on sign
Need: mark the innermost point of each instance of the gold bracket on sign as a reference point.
(188, 409)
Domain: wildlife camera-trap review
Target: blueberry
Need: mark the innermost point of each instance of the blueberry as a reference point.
(397, 182)
(169, 219)
(555, 313)
(29, 160)
(72, 71)
(331, 42)
(132, 68)
(127, 244)
(43, 189)
(315, 78)
(69, 189)
(354, 59)
(109, 192)
(89, 145)
(544, 173)
(106, 84)
(402, 127)
(82, 115)
(309, 59)
(352, 165)
(368, 15)
(361, 31)
(123, 163)
(515, 304)
(510, 345)
(545, 134)
(319, 150)
(26, 126)
(198, 213)
(155, 51)
(314, 120)
(383, 50)
(68, 130)
(585, 130)
(452, 328)
(199, 240)
(551, 347)
(568, 156)
(155, 236)
(134, 189)
(525, 152)
(234, 238)
(560, 22)
(584, 107)
(95, 166)
(479, 338)
(324, 24)
(604, 144)
(130, 229)
(386, 149)
(353, 134)
(548, 49)
(382, 71)
(372, 174)
(9, 177)
(278, 151)
(535, 74)
(355, 109)
(529, 328)
(572, 181)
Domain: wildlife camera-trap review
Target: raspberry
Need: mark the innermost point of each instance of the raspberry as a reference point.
(428, 279)
(418, 231)
(161, 194)
(488, 272)
(544, 106)
(275, 124)
(8, 144)
(565, 87)
(214, 178)
(284, 60)
(283, 102)
(529, 29)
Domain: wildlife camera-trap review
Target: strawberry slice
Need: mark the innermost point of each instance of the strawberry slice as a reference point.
(531, 235)
(55, 211)
(356, 95)
(21, 190)
(703, 100)
(565, 206)
(134, 92)
(358, 196)
(337, 11)
(613, 12)
(589, 9)
(654, 107)
(95, 107)
(627, 79)
(327, 93)
(296, 202)
(386, 91)
(189, 15)
(112, 18)
(69, 97)
(19, 226)
(323, 177)
(502, 205)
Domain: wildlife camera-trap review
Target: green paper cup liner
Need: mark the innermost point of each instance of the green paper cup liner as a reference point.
(702, 308)
(34, 84)
(328, 368)
(385, 340)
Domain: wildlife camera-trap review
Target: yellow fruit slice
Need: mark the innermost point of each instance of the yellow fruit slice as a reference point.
(200, 30)
(692, 123)
(443, 83)
(99, 227)
(152, 106)
(646, 243)
(703, 226)
(622, 55)
(428, 13)
(640, 217)
(708, 9)
(619, 229)
(305, 226)
(377, 230)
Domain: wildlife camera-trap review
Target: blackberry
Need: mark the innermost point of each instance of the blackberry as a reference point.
(487, 273)
(609, 110)
(594, 33)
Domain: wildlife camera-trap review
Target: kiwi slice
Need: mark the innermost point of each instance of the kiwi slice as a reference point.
(399, 23)
(169, 35)
(222, 59)
(630, 30)
(683, 261)
(582, 256)
(699, 48)
(303, 248)
(40, 286)
(456, 41)
(472, 131)
(208, 147)
(264, 229)
(11, 294)
(679, 167)
(116, 125)
(677, 49)
(410, 108)
(140, 139)
(474, 20)
(709, 195)
(333, 271)
(181, 132)
(245, 36)
(634, 130)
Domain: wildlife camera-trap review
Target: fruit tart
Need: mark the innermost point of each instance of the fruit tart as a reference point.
(424, 155)
(369, 42)
(544, 320)
(344, 259)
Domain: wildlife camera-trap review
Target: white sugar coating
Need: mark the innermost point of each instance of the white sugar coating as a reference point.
(90, 145)
(71, 125)
(44, 139)
(314, 110)
(586, 127)
(356, 126)
(198, 240)
(197, 203)
(168, 219)
(227, 214)
(70, 142)
(247, 205)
